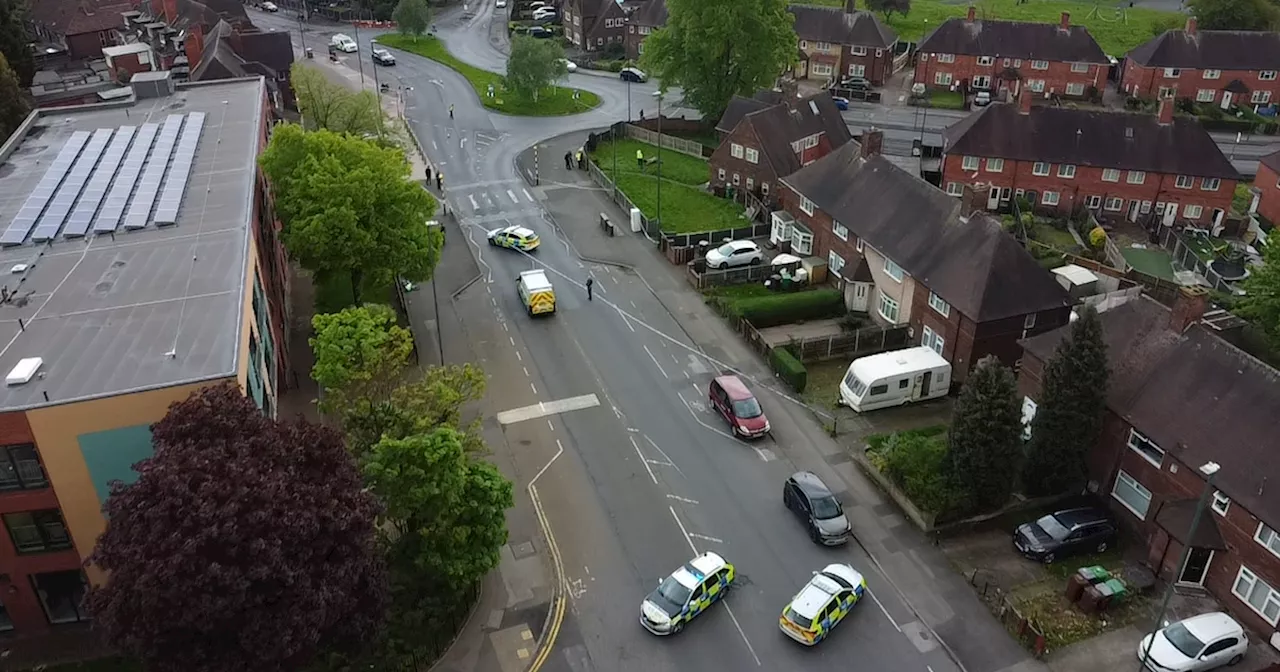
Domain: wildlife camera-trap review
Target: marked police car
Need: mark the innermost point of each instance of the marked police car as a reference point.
(515, 238)
(822, 603)
(689, 591)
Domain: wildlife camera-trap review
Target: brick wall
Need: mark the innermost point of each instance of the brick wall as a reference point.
(1144, 82)
(876, 64)
(1268, 184)
(1056, 78)
(759, 173)
(634, 38)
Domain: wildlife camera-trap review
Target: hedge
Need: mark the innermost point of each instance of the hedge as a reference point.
(789, 369)
(775, 309)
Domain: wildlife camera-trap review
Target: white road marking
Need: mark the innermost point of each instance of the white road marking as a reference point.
(504, 327)
(513, 341)
(633, 305)
(662, 452)
(660, 463)
(474, 205)
(626, 321)
(526, 194)
(688, 538)
(655, 361)
(435, 146)
(543, 409)
(683, 531)
(534, 388)
(764, 455)
(885, 611)
(526, 371)
(512, 194)
(551, 426)
(645, 462)
(704, 537)
(682, 499)
(518, 357)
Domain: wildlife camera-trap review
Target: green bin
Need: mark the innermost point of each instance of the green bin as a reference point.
(1095, 574)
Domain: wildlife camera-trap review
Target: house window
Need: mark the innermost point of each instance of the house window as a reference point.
(736, 150)
(1136, 177)
(1129, 492)
(822, 46)
(955, 189)
(1184, 182)
(835, 262)
(841, 231)
(1193, 211)
(1075, 89)
(1017, 62)
(942, 79)
(858, 51)
(20, 468)
(1220, 503)
(37, 531)
(936, 303)
(1029, 322)
(888, 308)
(982, 82)
(1172, 72)
(1267, 75)
(806, 205)
(1114, 203)
(1040, 168)
(751, 183)
(720, 174)
(969, 163)
(1145, 207)
(986, 60)
(1145, 447)
(1211, 74)
(1067, 171)
(1079, 67)
(995, 165)
(821, 69)
(1209, 183)
(1049, 198)
(930, 339)
(1110, 175)
(753, 156)
(951, 58)
(1093, 201)
(1167, 92)
(857, 70)
(764, 188)
(1039, 65)
(1260, 97)
(1206, 95)
(736, 179)
(879, 53)
(858, 246)
(892, 270)
(1268, 538)
(1260, 597)
(811, 141)
(62, 596)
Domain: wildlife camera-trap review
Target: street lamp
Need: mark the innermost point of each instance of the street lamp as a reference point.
(661, 93)
(1209, 469)
(359, 57)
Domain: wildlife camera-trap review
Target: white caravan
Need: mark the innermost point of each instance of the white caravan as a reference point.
(895, 378)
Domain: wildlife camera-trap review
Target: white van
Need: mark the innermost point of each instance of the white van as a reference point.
(895, 378)
(343, 43)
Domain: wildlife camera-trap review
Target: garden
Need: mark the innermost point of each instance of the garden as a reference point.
(557, 101)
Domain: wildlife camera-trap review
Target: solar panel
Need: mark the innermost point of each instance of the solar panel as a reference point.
(112, 210)
(51, 222)
(21, 226)
(145, 197)
(175, 185)
(78, 224)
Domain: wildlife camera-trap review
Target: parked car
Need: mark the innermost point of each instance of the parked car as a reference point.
(569, 65)
(982, 99)
(633, 75)
(1067, 532)
(730, 398)
(500, 4)
(735, 253)
(540, 33)
(857, 83)
(1193, 644)
(544, 13)
(343, 43)
(270, 7)
(817, 508)
(842, 104)
(383, 57)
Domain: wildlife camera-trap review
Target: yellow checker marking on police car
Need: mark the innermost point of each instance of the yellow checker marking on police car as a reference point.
(542, 302)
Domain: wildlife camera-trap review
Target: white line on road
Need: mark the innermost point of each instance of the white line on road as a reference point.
(765, 456)
(625, 320)
(664, 454)
(513, 341)
(435, 146)
(518, 357)
(551, 426)
(652, 477)
(678, 498)
(526, 194)
(512, 194)
(660, 463)
(526, 371)
(704, 537)
(655, 361)
(472, 198)
(534, 388)
(737, 625)
(682, 530)
(541, 410)
(886, 611)
(504, 327)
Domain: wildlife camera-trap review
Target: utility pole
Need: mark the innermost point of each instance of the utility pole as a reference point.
(660, 93)
(359, 57)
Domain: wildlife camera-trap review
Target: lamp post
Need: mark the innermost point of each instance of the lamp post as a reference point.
(660, 95)
(359, 57)
(1209, 469)
(628, 101)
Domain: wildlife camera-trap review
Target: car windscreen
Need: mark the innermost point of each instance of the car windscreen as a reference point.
(825, 508)
(725, 250)
(1182, 639)
(747, 408)
(1053, 528)
(804, 623)
(674, 592)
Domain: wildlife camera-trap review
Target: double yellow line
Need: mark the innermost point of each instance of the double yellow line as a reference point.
(559, 595)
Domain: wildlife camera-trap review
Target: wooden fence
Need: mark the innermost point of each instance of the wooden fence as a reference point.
(598, 176)
(708, 278)
(1026, 631)
(849, 345)
(682, 145)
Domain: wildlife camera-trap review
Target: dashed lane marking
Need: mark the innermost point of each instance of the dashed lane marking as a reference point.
(678, 498)
(704, 537)
(644, 461)
(543, 409)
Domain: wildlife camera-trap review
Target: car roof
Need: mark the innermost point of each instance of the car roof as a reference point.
(742, 243)
(810, 484)
(734, 387)
(708, 563)
(1211, 626)
(1081, 516)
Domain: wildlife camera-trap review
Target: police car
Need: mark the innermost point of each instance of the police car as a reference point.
(514, 237)
(822, 603)
(689, 591)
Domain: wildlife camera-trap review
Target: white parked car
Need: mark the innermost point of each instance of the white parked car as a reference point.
(501, 3)
(1198, 643)
(736, 253)
(270, 7)
(544, 13)
(343, 43)
(569, 65)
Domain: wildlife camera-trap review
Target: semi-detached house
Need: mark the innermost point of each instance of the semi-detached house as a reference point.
(1048, 59)
(1180, 396)
(593, 24)
(842, 42)
(1117, 164)
(641, 23)
(1222, 67)
(908, 254)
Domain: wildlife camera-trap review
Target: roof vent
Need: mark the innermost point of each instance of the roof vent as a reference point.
(1128, 132)
(19, 268)
(24, 371)
(813, 105)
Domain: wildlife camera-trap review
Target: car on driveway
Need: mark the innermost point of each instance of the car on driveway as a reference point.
(500, 4)
(735, 253)
(1067, 532)
(855, 83)
(842, 104)
(805, 495)
(514, 238)
(730, 398)
(689, 591)
(982, 99)
(383, 57)
(823, 602)
(569, 66)
(540, 33)
(1203, 642)
(635, 75)
(270, 7)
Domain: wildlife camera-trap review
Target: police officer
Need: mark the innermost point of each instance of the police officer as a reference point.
(439, 180)
(451, 111)
(640, 159)
(590, 282)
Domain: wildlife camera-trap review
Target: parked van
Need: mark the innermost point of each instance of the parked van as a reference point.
(536, 292)
(343, 43)
(895, 378)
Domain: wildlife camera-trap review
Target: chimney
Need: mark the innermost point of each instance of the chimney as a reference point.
(1191, 25)
(850, 6)
(1166, 111)
(1024, 100)
(973, 12)
(195, 46)
(1065, 24)
(1188, 307)
(973, 199)
(872, 142)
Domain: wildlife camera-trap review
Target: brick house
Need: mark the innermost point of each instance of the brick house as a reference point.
(592, 24)
(768, 142)
(1118, 164)
(905, 253)
(1048, 59)
(1267, 184)
(842, 42)
(1180, 396)
(84, 26)
(1225, 67)
(647, 18)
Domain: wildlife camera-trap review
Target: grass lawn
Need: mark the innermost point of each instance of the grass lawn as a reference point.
(938, 432)
(1055, 237)
(685, 209)
(1116, 28)
(676, 166)
(946, 100)
(556, 102)
(1154, 262)
(706, 139)
(823, 387)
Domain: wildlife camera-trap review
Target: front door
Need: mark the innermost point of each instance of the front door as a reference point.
(993, 198)
(856, 296)
(1197, 565)
(1170, 211)
(1226, 100)
(1134, 208)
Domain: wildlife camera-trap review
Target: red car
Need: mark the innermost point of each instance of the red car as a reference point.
(735, 403)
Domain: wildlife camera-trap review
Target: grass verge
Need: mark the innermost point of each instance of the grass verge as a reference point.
(824, 383)
(685, 209)
(558, 101)
(1062, 623)
(946, 100)
(676, 166)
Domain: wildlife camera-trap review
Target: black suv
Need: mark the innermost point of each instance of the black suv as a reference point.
(1066, 532)
(812, 502)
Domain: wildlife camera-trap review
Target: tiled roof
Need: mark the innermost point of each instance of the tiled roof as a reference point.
(1272, 161)
(76, 17)
(1014, 39)
(970, 262)
(1121, 140)
(740, 106)
(652, 14)
(1210, 49)
(780, 125)
(837, 26)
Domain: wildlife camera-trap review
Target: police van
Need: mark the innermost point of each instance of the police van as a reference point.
(536, 292)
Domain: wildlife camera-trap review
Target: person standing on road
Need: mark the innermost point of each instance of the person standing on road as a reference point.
(568, 160)
(428, 174)
(590, 282)
(440, 181)
(640, 159)
(450, 111)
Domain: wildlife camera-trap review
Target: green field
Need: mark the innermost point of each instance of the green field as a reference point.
(1116, 27)
(676, 166)
(686, 208)
(557, 101)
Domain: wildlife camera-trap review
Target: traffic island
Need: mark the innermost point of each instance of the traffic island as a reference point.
(556, 101)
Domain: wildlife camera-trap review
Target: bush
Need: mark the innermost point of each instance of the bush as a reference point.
(914, 461)
(790, 369)
(609, 65)
(1097, 237)
(775, 309)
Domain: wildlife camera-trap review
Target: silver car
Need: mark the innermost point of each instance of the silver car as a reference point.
(735, 253)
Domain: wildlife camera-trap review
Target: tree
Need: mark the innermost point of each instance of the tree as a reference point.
(1069, 418)
(715, 49)
(330, 106)
(349, 208)
(533, 66)
(360, 355)
(15, 45)
(1260, 303)
(13, 102)
(245, 544)
(984, 444)
(1234, 14)
(888, 7)
(412, 17)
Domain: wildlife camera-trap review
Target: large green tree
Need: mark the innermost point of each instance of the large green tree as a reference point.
(13, 102)
(349, 208)
(1068, 419)
(533, 66)
(715, 49)
(1234, 14)
(327, 105)
(1261, 301)
(360, 354)
(984, 444)
(412, 17)
(14, 42)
